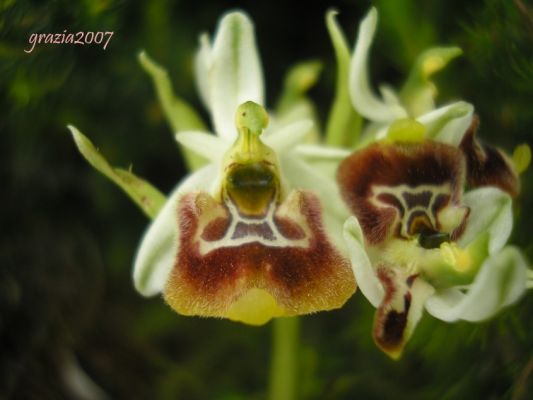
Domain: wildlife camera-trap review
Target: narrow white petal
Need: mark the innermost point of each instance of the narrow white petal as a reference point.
(288, 136)
(325, 160)
(448, 124)
(323, 153)
(453, 132)
(490, 211)
(499, 283)
(205, 144)
(297, 174)
(372, 132)
(155, 256)
(297, 112)
(333, 227)
(236, 75)
(300, 175)
(365, 275)
(363, 98)
(202, 68)
(389, 95)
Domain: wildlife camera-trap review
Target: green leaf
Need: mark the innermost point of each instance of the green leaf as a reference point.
(180, 115)
(147, 197)
(344, 123)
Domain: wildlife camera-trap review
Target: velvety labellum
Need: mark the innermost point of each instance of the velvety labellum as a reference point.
(400, 189)
(487, 165)
(226, 259)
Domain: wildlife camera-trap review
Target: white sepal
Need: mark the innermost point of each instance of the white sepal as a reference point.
(365, 274)
(490, 211)
(499, 283)
(156, 254)
(365, 101)
(235, 75)
(286, 137)
(321, 152)
(202, 69)
(448, 124)
(205, 144)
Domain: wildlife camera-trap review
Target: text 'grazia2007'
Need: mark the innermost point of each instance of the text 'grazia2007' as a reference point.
(79, 38)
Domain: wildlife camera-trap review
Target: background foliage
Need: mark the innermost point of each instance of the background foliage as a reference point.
(68, 236)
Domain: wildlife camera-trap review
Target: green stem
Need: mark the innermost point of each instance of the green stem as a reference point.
(283, 366)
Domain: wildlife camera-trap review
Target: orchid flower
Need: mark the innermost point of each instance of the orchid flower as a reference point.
(247, 235)
(418, 240)
(242, 244)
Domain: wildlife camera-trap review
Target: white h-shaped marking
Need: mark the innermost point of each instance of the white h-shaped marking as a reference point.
(397, 192)
(278, 239)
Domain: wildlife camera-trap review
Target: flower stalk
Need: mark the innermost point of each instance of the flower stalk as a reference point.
(284, 359)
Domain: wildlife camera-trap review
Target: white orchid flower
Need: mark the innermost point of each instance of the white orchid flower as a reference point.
(417, 241)
(247, 236)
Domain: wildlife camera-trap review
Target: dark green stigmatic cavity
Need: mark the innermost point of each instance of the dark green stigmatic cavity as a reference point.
(433, 240)
(251, 187)
(251, 176)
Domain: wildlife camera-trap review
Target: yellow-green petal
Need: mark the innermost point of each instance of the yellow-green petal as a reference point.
(298, 80)
(521, 157)
(406, 130)
(147, 197)
(419, 92)
(180, 115)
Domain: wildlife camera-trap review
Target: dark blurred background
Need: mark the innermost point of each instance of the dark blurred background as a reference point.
(68, 236)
